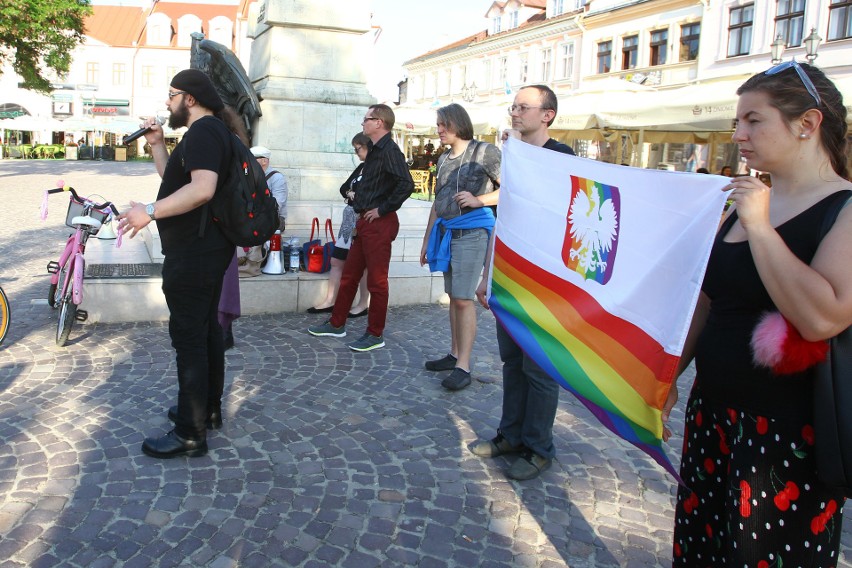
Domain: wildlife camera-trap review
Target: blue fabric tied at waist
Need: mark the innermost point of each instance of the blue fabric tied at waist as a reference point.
(438, 247)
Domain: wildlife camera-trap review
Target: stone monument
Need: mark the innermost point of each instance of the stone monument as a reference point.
(307, 66)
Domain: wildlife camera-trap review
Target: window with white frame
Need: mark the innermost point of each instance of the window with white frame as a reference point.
(93, 73)
(840, 19)
(444, 84)
(604, 56)
(502, 71)
(659, 47)
(171, 71)
(790, 21)
(546, 64)
(690, 36)
(187, 24)
(496, 24)
(119, 73)
(513, 19)
(558, 7)
(629, 52)
(739, 30)
(566, 61)
(149, 75)
(523, 67)
(486, 74)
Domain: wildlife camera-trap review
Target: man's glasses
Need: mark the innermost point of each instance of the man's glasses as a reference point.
(520, 109)
(366, 118)
(173, 94)
(806, 81)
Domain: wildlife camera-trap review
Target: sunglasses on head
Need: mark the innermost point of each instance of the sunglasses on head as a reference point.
(806, 81)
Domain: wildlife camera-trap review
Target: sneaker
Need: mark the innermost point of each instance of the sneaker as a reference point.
(492, 448)
(528, 466)
(367, 343)
(327, 330)
(457, 380)
(445, 363)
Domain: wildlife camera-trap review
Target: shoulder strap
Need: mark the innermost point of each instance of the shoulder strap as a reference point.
(270, 174)
(837, 204)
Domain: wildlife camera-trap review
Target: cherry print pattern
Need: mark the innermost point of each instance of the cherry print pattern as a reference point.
(752, 496)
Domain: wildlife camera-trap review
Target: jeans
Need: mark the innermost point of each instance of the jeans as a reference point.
(192, 285)
(370, 251)
(530, 398)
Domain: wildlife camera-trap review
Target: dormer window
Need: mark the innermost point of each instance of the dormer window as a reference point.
(222, 31)
(187, 24)
(513, 19)
(496, 24)
(159, 30)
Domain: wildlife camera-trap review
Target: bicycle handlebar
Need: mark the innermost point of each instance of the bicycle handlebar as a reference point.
(99, 206)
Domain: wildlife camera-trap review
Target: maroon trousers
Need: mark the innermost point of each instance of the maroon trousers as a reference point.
(370, 251)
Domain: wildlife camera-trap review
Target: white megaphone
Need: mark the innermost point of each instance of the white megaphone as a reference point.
(106, 232)
(273, 260)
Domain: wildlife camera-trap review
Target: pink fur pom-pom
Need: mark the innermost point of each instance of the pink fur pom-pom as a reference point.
(779, 346)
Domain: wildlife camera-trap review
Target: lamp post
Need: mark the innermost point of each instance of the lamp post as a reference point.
(469, 93)
(777, 48)
(811, 45)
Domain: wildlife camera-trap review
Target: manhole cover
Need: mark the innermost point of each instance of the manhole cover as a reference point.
(124, 270)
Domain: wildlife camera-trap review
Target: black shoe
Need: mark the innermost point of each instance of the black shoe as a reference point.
(214, 418)
(457, 380)
(327, 310)
(362, 313)
(445, 363)
(171, 446)
(229, 339)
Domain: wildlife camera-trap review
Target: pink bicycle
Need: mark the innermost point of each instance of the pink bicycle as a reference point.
(66, 274)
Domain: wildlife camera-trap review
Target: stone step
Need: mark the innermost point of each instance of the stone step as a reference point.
(140, 298)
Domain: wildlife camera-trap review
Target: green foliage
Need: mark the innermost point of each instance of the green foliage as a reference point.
(39, 36)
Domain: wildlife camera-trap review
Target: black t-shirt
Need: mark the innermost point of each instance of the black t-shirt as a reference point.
(552, 144)
(205, 146)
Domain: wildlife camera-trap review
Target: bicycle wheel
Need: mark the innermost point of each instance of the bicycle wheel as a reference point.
(55, 291)
(67, 313)
(5, 315)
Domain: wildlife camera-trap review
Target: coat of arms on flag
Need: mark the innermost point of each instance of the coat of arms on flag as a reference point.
(596, 272)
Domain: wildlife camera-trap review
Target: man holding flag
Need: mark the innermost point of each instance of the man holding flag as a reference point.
(530, 396)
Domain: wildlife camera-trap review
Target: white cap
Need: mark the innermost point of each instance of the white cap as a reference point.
(261, 152)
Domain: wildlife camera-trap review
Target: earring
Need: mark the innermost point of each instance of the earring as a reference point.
(803, 136)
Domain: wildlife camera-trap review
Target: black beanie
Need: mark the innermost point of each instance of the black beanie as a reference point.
(199, 85)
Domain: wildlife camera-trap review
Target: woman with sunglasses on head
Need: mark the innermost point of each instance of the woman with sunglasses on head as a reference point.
(362, 145)
(752, 496)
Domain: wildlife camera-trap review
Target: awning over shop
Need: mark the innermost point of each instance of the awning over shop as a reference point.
(12, 110)
(107, 107)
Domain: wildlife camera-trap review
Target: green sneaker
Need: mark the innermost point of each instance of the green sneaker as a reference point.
(528, 466)
(498, 446)
(327, 330)
(367, 343)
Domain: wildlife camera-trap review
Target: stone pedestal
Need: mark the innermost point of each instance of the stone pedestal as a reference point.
(307, 65)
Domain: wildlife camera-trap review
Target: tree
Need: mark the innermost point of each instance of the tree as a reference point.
(39, 37)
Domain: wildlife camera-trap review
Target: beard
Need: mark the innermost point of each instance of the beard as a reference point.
(179, 117)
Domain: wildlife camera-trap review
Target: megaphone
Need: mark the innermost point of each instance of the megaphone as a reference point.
(273, 260)
(106, 232)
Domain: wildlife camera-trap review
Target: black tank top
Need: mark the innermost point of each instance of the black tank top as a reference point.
(725, 372)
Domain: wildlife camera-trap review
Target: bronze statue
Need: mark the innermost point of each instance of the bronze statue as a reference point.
(228, 76)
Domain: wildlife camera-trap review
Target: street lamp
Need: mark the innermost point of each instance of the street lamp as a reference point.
(811, 45)
(777, 47)
(469, 93)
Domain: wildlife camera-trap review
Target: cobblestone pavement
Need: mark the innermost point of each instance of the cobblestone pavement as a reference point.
(327, 457)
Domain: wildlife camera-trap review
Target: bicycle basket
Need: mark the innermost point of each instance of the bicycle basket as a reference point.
(77, 208)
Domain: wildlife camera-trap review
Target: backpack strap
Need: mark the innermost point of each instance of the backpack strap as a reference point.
(270, 174)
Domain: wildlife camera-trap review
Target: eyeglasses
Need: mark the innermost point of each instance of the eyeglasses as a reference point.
(521, 109)
(173, 94)
(357, 148)
(806, 81)
(366, 118)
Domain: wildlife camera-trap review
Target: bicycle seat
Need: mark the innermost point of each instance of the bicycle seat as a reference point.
(87, 221)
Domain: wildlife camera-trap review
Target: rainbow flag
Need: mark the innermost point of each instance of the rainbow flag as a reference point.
(595, 274)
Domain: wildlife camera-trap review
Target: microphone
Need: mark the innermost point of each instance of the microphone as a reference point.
(131, 137)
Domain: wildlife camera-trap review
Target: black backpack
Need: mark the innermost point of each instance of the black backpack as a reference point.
(243, 207)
